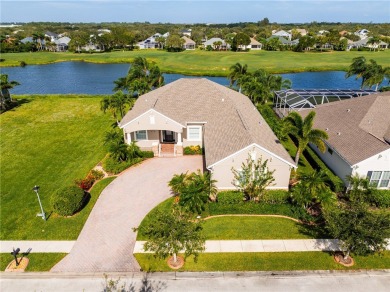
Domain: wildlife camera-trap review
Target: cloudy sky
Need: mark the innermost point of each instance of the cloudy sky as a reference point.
(195, 11)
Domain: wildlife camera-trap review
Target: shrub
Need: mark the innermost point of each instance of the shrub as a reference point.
(22, 64)
(276, 197)
(192, 150)
(230, 197)
(380, 198)
(147, 154)
(67, 201)
(85, 183)
(113, 166)
(97, 174)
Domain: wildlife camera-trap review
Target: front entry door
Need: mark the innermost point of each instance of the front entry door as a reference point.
(168, 136)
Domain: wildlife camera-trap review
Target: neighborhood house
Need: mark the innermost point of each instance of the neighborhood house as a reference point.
(359, 137)
(196, 111)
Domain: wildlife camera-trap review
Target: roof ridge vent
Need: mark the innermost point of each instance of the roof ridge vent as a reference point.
(348, 110)
(338, 133)
(327, 129)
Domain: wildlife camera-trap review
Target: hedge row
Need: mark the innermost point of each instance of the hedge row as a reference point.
(113, 166)
(380, 198)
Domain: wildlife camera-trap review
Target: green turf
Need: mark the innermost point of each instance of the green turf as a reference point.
(278, 261)
(38, 262)
(247, 228)
(48, 141)
(210, 63)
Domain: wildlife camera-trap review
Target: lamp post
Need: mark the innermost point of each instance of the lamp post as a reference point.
(42, 214)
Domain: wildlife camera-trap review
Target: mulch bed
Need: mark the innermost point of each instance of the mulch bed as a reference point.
(179, 262)
(339, 258)
(12, 267)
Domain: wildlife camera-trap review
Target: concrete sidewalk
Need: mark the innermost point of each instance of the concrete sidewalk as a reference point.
(214, 246)
(44, 246)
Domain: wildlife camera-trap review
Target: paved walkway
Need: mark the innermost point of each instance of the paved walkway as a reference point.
(262, 245)
(42, 246)
(106, 241)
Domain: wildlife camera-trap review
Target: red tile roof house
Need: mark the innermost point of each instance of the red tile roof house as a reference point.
(196, 111)
(359, 137)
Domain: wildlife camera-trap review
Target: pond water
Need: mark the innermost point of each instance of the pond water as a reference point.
(89, 78)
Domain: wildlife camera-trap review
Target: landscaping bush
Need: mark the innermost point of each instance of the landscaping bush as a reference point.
(67, 201)
(147, 154)
(276, 197)
(85, 183)
(380, 198)
(113, 166)
(192, 150)
(97, 174)
(230, 197)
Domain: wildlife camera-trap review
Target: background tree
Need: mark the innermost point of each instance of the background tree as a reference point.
(374, 42)
(174, 43)
(240, 41)
(78, 40)
(253, 178)
(357, 68)
(172, 232)
(374, 74)
(302, 130)
(5, 96)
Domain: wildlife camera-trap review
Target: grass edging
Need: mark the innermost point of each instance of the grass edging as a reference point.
(254, 215)
(281, 261)
(39, 262)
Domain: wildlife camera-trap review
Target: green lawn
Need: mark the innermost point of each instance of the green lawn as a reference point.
(48, 141)
(210, 63)
(247, 228)
(38, 262)
(277, 261)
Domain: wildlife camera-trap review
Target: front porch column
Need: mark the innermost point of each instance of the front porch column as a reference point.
(128, 138)
(179, 140)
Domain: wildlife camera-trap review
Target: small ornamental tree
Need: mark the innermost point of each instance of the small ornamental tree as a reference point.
(172, 232)
(253, 178)
(360, 230)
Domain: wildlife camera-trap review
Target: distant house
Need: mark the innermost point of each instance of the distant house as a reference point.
(282, 33)
(363, 43)
(284, 41)
(197, 111)
(51, 35)
(62, 44)
(151, 42)
(322, 32)
(189, 43)
(363, 33)
(359, 137)
(254, 45)
(42, 42)
(301, 31)
(212, 42)
(186, 32)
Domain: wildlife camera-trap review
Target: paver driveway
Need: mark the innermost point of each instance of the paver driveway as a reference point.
(107, 241)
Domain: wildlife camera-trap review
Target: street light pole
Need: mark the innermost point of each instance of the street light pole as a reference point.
(42, 214)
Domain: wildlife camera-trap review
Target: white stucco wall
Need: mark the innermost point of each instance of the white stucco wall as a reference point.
(379, 162)
(338, 165)
(222, 171)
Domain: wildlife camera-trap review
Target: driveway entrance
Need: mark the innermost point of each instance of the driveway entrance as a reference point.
(106, 242)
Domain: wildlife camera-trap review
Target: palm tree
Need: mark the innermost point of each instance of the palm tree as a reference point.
(116, 103)
(374, 74)
(302, 130)
(358, 67)
(6, 85)
(237, 71)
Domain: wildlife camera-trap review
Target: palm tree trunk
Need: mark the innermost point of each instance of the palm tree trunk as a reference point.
(376, 87)
(297, 157)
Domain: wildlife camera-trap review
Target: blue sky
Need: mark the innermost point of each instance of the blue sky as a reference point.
(195, 11)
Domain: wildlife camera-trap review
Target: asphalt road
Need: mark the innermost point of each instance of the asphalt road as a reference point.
(356, 281)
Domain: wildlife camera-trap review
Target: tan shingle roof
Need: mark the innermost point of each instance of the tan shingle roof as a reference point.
(232, 121)
(357, 127)
(188, 41)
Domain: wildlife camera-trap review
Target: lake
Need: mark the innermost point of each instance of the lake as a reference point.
(90, 78)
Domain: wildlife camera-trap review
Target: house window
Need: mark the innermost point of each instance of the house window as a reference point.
(379, 178)
(385, 179)
(141, 135)
(194, 133)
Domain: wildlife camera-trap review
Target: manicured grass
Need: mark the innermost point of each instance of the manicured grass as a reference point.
(38, 262)
(247, 228)
(210, 63)
(48, 141)
(282, 261)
